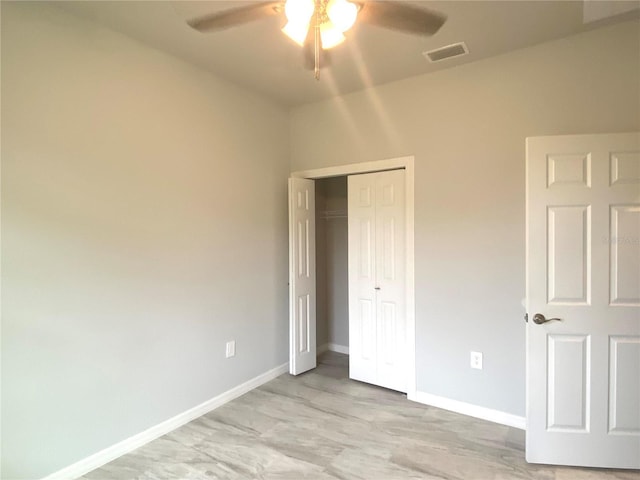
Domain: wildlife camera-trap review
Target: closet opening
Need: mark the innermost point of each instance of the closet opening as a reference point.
(332, 270)
(351, 270)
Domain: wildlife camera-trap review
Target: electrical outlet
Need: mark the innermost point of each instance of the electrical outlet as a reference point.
(231, 348)
(476, 360)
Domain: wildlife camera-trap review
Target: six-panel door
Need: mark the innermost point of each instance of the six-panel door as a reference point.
(377, 320)
(302, 276)
(583, 268)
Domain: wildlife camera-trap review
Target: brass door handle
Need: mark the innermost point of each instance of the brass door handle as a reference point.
(539, 319)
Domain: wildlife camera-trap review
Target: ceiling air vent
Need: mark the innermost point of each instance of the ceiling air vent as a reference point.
(449, 51)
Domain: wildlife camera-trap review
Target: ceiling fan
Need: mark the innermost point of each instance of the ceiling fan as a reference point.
(318, 25)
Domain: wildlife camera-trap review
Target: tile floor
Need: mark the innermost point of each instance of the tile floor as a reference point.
(321, 425)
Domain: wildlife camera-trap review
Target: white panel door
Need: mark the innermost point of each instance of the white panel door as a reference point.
(361, 217)
(583, 300)
(390, 279)
(302, 276)
(377, 319)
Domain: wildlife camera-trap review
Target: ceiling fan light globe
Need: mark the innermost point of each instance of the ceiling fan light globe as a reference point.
(342, 14)
(296, 32)
(330, 35)
(299, 12)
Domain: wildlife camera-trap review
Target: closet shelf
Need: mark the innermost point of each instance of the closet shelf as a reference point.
(330, 214)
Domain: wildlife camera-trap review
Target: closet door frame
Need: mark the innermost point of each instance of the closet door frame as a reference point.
(406, 163)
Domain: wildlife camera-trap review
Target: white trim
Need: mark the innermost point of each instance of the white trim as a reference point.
(353, 168)
(105, 456)
(527, 282)
(377, 166)
(410, 276)
(334, 347)
(292, 304)
(471, 410)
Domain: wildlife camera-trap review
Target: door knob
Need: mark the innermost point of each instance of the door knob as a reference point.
(539, 319)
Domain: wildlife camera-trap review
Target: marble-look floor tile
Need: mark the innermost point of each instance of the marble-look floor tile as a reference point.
(323, 426)
(165, 459)
(455, 462)
(303, 442)
(357, 464)
(256, 460)
(243, 416)
(568, 473)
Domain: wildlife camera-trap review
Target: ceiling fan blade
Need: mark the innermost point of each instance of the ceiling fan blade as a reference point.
(401, 16)
(235, 16)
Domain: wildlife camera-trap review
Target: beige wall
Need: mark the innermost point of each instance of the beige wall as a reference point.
(466, 127)
(144, 224)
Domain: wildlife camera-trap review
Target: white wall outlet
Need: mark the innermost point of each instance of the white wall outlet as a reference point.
(476, 360)
(231, 348)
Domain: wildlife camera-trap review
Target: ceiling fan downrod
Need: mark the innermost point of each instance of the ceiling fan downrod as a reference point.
(317, 43)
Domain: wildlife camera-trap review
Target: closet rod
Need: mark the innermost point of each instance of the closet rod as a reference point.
(329, 214)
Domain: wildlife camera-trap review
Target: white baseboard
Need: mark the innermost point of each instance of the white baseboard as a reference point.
(105, 456)
(334, 347)
(471, 410)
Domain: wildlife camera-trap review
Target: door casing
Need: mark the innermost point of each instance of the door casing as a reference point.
(406, 163)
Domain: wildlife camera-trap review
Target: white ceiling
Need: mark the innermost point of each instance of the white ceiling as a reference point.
(260, 57)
